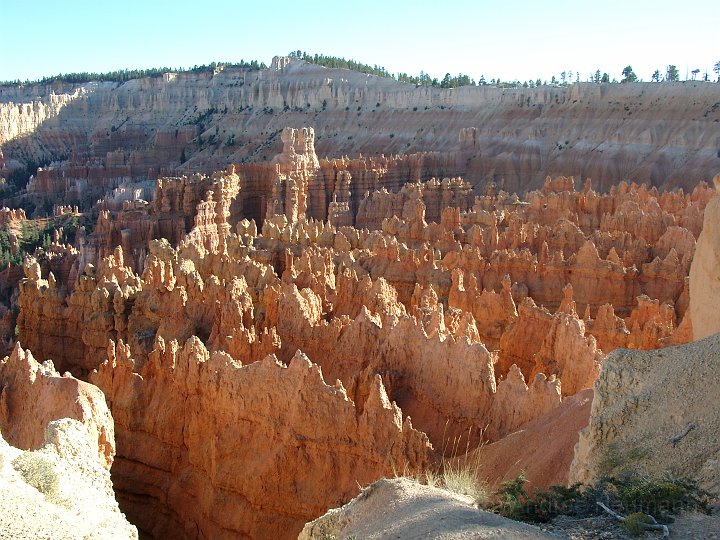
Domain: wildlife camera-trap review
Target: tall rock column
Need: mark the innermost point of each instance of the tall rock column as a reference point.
(705, 272)
(339, 212)
(295, 166)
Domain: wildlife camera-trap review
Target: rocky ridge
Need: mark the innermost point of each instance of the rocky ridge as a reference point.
(32, 395)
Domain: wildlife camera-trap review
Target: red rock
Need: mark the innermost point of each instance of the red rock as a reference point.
(32, 395)
(252, 450)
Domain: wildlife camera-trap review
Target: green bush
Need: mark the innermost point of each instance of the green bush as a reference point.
(658, 497)
(635, 523)
(514, 502)
(39, 472)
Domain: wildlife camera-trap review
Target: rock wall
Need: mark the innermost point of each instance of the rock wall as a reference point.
(222, 450)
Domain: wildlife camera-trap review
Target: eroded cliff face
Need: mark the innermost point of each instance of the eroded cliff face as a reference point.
(108, 133)
(222, 450)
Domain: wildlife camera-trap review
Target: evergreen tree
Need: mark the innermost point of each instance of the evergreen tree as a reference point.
(672, 74)
(628, 75)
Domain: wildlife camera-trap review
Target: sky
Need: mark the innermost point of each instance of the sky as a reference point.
(516, 40)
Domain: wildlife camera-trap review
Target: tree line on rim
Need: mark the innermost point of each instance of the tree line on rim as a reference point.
(124, 75)
(566, 78)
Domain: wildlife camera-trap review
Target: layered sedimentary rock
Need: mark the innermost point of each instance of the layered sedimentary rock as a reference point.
(25, 117)
(61, 489)
(542, 245)
(223, 450)
(103, 134)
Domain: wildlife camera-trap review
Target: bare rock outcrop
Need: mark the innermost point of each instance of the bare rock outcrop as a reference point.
(704, 279)
(60, 490)
(654, 412)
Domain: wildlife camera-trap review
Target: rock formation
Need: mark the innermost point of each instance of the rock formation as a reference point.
(101, 135)
(445, 310)
(704, 285)
(653, 413)
(32, 395)
(59, 490)
(225, 450)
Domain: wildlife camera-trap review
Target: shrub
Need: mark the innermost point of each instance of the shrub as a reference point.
(634, 523)
(514, 502)
(39, 472)
(658, 497)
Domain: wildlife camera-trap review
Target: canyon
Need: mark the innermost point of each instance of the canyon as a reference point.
(253, 335)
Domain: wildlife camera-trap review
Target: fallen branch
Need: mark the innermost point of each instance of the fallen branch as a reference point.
(677, 438)
(655, 526)
(611, 512)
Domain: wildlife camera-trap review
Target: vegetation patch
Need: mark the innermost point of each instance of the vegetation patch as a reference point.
(31, 236)
(38, 471)
(124, 75)
(633, 495)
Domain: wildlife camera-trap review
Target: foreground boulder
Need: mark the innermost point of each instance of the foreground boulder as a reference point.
(402, 508)
(655, 412)
(60, 491)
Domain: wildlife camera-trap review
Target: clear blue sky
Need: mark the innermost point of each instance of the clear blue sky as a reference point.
(520, 39)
